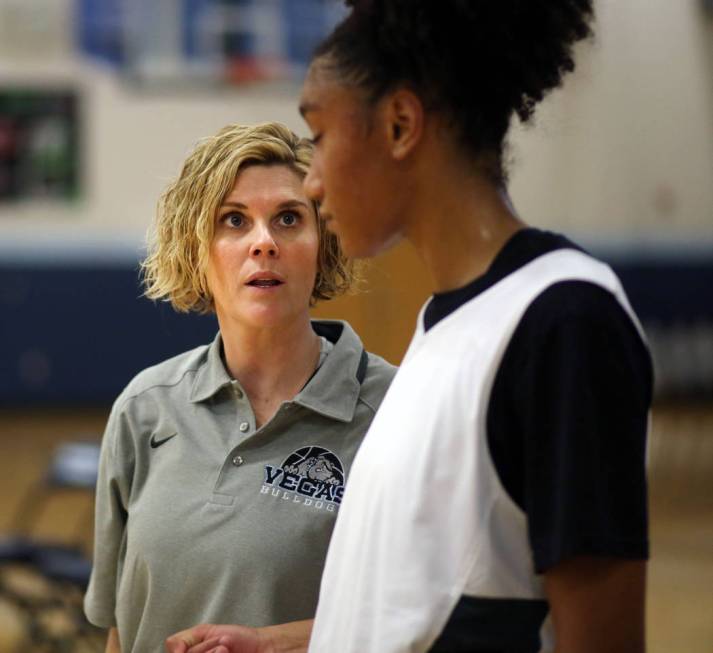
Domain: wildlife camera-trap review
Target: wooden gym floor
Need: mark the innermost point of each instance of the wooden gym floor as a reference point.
(680, 585)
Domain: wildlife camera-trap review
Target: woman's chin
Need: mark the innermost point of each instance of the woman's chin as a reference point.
(266, 318)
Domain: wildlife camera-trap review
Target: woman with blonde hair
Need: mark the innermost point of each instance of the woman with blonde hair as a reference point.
(223, 468)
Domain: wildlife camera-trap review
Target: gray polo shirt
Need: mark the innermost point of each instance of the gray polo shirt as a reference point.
(201, 517)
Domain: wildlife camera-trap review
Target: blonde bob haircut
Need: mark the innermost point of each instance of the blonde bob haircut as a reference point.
(179, 242)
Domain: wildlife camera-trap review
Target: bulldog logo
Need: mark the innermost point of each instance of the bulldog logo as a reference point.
(311, 472)
(316, 468)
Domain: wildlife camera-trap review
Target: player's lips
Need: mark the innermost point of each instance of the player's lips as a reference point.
(265, 279)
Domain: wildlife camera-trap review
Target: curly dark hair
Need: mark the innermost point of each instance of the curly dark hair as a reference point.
(475, 61)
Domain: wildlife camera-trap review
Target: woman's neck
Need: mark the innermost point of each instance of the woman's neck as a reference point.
(272, 364)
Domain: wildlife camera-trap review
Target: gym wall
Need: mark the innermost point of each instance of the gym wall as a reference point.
(621, 159)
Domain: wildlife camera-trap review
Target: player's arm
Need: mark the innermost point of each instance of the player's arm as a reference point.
(597, 605)
(292, 637)
(583, 397)
(112, 641)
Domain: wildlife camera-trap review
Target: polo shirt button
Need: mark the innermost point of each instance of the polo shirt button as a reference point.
(237, 392)
(238, 460)
(244, 426)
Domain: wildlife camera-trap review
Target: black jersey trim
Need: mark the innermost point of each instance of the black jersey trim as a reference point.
(489, 625)
(547, 554)
(524, 246)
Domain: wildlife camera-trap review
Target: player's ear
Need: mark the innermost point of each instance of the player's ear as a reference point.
(403, 122)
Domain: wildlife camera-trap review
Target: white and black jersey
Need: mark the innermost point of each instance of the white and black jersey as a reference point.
(513, 437)
(576, 364)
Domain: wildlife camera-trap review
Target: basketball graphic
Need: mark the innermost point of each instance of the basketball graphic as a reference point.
(316, 464)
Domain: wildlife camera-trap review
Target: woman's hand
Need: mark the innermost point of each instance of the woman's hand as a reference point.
(291, 637)
(208, 638)
(112, 641)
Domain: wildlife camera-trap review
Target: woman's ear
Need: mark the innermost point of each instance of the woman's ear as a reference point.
(404, 116)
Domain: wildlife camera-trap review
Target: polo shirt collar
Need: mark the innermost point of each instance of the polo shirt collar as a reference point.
(333, 391)
(212, 375)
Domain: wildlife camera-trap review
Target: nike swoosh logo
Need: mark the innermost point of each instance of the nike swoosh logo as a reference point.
(157, 443)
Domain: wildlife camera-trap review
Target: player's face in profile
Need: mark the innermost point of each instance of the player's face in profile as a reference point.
(263, 258)
(350, 172)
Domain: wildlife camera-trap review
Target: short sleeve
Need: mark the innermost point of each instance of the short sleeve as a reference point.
(567, 425)
(112, 492)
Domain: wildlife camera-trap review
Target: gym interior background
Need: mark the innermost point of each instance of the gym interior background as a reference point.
(100, 100)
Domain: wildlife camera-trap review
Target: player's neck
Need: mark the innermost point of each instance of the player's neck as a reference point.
(462, 223)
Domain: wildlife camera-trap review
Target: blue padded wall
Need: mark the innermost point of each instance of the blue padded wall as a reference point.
(77, 333)
(74, 332)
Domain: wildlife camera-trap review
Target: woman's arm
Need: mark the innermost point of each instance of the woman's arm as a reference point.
(113, 488)
(292, 637)
(112, 641)
(597, 605)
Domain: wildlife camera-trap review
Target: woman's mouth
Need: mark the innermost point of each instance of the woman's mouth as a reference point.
(264, 283)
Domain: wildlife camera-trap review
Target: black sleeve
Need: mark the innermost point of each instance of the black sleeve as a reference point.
(567, 424)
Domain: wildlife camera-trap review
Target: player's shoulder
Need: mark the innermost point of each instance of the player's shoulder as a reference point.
(574, 302)
(580, 323)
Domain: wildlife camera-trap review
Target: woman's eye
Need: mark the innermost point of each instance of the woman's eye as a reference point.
(289, 219)
(234, 219)
(315, 139)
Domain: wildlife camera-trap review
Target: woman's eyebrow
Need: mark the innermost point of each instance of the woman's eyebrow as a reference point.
(289, 204)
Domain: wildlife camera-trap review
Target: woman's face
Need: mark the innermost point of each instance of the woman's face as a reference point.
(352, 173)
(263, 258)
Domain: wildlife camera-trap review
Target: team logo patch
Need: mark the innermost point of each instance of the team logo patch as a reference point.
(312, 476)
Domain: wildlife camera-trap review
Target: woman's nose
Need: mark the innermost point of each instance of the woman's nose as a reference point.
(264, 244)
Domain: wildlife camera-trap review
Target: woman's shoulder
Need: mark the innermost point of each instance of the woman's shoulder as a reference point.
(377, 379)
(379, 366)
(167, 374)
